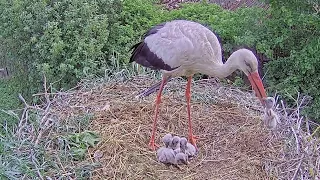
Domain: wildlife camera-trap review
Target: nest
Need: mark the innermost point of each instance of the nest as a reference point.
(232, 141)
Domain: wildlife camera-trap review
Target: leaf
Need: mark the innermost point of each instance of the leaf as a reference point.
(78, 153)
(90, 138)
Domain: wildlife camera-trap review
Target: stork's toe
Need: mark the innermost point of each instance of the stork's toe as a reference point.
(192, 140)
(153, 145)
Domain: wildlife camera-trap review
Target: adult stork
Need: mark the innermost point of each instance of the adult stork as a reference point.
(183, 48)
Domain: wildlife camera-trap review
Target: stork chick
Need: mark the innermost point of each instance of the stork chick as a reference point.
(181, 158)
(270, 119)
(187, 148)
(167, 140)
(166, 155)
(269, 102)
(175, 144)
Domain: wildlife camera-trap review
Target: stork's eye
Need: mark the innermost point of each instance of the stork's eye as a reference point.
(249, 67)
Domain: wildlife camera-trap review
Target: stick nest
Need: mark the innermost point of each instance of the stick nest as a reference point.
(233, 143)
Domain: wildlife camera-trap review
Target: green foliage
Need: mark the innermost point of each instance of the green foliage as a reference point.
(15, 161)
(67, 40)
(135, 18)
(68, 142)
(80, 142)
(9, 101)
(294, 29)
(9, 94)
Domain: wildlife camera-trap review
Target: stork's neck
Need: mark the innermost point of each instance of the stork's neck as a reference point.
(221, 70)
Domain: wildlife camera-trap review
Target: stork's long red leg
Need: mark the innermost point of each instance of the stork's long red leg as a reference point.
(151, 143)
(192, 138)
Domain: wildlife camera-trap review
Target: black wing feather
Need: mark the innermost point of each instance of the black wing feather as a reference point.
(154, 29)
(144, 56)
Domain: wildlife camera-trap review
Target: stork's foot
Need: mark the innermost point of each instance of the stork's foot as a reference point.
(153, 145)
(192, 140)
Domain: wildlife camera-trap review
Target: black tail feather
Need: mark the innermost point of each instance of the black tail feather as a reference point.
(134, 52)
(154, 88)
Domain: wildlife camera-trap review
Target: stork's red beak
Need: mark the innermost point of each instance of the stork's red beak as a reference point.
(257, 86)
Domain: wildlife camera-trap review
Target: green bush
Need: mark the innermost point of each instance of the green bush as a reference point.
(294, 32)
(135, 18)
(67, 40)
(10, 106)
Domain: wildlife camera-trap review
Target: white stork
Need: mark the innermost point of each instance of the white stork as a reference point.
(183, 48)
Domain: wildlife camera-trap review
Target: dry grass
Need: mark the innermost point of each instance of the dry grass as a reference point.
(233, 144)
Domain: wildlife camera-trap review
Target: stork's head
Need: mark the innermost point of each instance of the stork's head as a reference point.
(175, 141)
(248, 63)
(183, 143)
(167, 140)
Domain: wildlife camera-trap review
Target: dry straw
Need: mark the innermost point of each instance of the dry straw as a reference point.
(233, 144)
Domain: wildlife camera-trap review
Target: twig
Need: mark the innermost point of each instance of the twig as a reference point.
(298, 167)
(45, 88)
(35, 164)
(42, 130)
(297, 141)
(314, 132)
(21, 121)
(41, 94)
(308, 127)
(46, 111)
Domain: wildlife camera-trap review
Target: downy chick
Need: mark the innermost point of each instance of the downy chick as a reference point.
(167, 140)
(270, 119)
(187, 148)
(181, 158)
(175, 144)
(166, 156)
(269, 103)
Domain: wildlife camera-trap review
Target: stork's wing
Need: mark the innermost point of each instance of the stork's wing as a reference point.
(145, 57)
(177, 43)
(182, 43)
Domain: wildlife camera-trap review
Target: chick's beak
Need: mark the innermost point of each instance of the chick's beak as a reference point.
(257, 86)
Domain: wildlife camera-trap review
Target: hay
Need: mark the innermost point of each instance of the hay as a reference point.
(232, 142)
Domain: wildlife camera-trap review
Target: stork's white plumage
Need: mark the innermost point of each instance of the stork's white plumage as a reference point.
(183, 48)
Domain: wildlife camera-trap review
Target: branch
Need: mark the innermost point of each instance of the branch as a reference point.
(297, 141)
(45, 88)
(298, 167)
